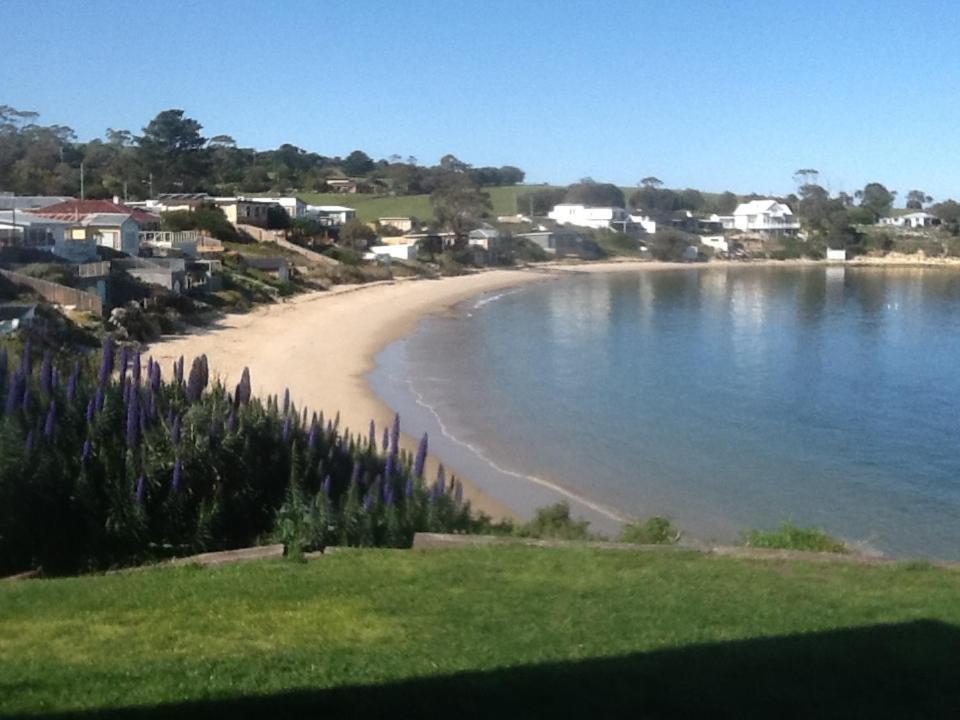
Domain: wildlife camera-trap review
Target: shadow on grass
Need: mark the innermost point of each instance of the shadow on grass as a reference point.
(905, 670)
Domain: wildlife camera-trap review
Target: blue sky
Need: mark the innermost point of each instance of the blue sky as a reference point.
(715, 95)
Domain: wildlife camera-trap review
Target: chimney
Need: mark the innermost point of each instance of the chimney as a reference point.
(116, 199)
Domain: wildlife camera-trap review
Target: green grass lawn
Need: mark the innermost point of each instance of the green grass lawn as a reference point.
(515, 632)
(371, 207)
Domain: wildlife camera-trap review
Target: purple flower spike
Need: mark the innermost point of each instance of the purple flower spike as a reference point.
(100, 398)
(85, 453)
(325, 487)
(13, 394)
(106, 361)
(312, 437)
(386, 439)
(395, 435)
(232, 421)
(156, 377)
(178, 371)
(199, 376)
(408, 489)
(388, 494)
(133, 420)
(50, 425)
(124, 363)
(90, 411)
(141, 489)
(243, 392)
(26, 360)
(25, 401)
(389, 467)
(177, 473)
(286, 401)
(421, 458)
(175, 430)
(441, 483)
(286, 429)
(72, 383)
(373, 435)
(46, 374)
(135, 368)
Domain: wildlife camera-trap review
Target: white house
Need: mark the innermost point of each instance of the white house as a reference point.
(485, 237)
(118, 231)
(912, 220)
(399, 252)
(403, 224)
(62, 238)
(717, 242)
(646, 222)
(294, 206)
(767, 216)
(600, 218)
(836, 255)
(331, 215)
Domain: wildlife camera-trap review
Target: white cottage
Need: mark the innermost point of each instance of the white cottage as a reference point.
(766, 216)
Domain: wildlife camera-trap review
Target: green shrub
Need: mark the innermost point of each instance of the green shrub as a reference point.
(790, 537)
(554, 522)
(655, 531)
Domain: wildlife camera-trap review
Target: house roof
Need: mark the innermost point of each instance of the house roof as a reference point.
(78, 209)
(15, 311)
(755, 207)
(29, 202)
(106, 219)
(264, 263)
(331, 208)
(23, 218)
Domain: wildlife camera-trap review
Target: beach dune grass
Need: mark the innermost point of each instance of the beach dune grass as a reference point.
(505, 631)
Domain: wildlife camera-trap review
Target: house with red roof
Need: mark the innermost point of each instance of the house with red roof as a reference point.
(113, 224)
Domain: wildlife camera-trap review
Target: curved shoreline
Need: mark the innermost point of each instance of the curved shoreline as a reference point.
(323, 345)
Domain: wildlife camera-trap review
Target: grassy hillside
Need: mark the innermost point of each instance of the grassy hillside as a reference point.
(504, 632)
(371, 207)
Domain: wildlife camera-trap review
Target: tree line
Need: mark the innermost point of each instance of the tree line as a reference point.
(171, 154)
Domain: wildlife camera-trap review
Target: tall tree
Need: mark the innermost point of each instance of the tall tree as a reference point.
(173, 151)
(459, 204)
(877, 198)
(916, 199)
(588, 192)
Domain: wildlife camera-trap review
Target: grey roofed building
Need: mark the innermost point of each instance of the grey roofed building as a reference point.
(29, 202)
(275, 265)
(16, 315)
(564, 242)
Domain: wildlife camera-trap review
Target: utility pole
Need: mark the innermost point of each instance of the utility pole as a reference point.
(81, 181)
(151, 186)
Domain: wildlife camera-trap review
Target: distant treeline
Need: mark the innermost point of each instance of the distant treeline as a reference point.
(172, 155)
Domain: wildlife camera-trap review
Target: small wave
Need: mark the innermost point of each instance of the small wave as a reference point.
(484, 301)
(607, 512)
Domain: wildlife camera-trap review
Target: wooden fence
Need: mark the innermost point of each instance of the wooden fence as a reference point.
(56, 293)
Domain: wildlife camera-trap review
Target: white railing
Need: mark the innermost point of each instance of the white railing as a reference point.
(94, 269)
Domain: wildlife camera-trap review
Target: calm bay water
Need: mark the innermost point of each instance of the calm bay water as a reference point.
(724, 398)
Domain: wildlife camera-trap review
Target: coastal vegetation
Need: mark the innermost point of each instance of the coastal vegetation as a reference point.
(486, 631)
(108, 464)
(791, 537)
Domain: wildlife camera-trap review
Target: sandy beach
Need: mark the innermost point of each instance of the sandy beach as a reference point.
(322, 345)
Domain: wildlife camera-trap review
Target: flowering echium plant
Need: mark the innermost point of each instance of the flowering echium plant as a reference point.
(117, 464)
